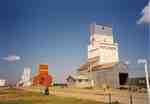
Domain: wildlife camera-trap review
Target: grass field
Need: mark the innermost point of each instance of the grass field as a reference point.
(13, 96)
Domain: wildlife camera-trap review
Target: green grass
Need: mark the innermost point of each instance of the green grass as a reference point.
(16, 102)
(13, 96)
(48, 102)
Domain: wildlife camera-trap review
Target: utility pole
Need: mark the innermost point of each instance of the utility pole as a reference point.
(129, 87)
(144, 61)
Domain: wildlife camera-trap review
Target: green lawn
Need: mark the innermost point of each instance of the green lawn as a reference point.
(13, 96)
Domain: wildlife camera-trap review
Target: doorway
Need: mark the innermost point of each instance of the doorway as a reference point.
(123, 77)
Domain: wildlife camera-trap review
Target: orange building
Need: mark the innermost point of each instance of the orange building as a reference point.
(43, 78)
(43, 69)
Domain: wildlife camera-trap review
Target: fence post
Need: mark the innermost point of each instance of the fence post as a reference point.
(109, 98)
(131, 99)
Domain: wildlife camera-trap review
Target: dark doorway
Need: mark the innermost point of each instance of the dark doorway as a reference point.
(123, 77)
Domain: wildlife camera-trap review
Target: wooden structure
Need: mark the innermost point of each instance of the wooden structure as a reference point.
(43, 78)
(114, 75)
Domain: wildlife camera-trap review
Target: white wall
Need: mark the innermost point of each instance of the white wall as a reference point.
(2, 82)
(108, 54)
(102, 45)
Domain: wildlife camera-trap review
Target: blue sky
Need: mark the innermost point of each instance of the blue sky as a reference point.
(56, 32)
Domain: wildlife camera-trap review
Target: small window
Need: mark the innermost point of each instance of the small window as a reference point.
(86, 80)
(80, 80)
(103, 28)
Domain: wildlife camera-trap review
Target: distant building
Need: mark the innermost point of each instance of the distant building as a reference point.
(42, 78)
(138, 82)
(76, 80)
(103, 66)
(25, 78)
(2, 82)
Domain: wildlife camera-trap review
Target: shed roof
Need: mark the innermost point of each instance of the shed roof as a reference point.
(76, 76)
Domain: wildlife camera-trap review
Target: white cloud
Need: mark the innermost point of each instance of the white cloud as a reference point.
(11, 58)
(145, 15)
